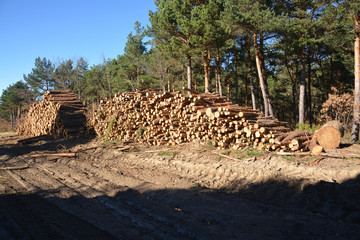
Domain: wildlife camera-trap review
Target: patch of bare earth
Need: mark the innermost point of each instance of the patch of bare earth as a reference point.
(183, 192)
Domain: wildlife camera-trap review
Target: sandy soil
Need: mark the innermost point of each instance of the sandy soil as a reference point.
(183, 192)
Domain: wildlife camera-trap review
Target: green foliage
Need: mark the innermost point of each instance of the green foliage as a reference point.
(167, 153)
(110, 127)
(248, 153)
(107, 143)
(226, 153)
(307, 127)
(289, 158)
(40, 79)
(14, 101)
(140, 131)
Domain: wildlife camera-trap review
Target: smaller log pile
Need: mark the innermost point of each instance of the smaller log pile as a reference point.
(173, 118)
(295, 141)
(59, 114)
(329, 136)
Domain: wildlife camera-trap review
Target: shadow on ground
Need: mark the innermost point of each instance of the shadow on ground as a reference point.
(43, 145)
(269, 210)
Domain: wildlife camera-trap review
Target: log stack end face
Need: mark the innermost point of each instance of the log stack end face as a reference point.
(59, 114)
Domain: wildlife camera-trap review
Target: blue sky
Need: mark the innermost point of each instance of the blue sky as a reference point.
(66, 29)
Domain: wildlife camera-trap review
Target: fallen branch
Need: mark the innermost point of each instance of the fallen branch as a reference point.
(86, 149)
(349, 155)
(293, 154)
(51, 155)
(316, 161)
(15, 167)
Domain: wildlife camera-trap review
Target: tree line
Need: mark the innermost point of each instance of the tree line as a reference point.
(282, 57)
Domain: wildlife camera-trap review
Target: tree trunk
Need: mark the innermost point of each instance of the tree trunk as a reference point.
(228, 89)
(182, 76)
(168, 80)
(261, 77)
(138, 77)
(218, 67)
(263, 70)
(293, 90)
(216, 80)
(302, 89)
(250, 73)
(189, 75)
(236, 76)
(355, 128)
(309, 100)
(206, 72)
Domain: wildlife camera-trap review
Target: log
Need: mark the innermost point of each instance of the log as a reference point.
(330, 135)
(313, 146)
(71, 155)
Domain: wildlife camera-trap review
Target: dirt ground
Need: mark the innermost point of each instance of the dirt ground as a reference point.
(189, 191)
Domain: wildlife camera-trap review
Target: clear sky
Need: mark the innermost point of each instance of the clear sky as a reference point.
(66, 29)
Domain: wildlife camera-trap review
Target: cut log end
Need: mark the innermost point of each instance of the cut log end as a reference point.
(330, 135)
(317, 149)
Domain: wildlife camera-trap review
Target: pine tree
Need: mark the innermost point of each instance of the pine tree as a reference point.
(40, 79)
(173, 25)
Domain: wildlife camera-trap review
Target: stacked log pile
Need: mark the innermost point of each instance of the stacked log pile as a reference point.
(173, 118)
(59, 114)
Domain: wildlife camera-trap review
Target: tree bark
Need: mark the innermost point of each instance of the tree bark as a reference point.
(309, 100)
(262, 82)
(302, 89)
(250, 73)
(294, 91)
(189, 75)
(355, 127)
(263, 70)
(182, 76)
(236, 76)
(206, 71)
(168, 80)
(218, 67)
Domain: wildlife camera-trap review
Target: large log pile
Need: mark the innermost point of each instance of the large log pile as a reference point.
(173, 118)
(59, 114)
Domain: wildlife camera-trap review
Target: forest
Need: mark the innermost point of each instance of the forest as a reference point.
(295, 60)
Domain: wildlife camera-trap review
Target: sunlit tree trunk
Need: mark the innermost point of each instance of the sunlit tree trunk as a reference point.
(263, 71)
(250, 73)
(206, 71)
(262, 81)
(236, 81)
(302, 89)
(218, 70)
(189, 75)
(355, 128)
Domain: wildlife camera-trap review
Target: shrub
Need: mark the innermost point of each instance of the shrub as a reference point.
(338, 107)
(5, 126)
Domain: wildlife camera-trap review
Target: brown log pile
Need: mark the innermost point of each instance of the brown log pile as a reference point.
(173, 118)
(59, 114)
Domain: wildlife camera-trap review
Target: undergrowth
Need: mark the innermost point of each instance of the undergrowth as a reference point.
(307, 127)
(167, 153)
(107, 143)
(110, 127)
(248, 153)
